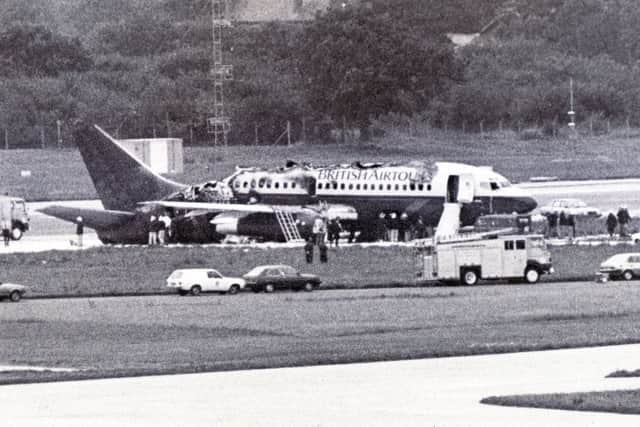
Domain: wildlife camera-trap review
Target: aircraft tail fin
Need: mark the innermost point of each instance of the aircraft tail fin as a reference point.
(121, 180)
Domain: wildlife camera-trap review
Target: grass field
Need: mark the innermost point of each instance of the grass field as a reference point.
(143, 270)
(61, 175)
(170, 334)
(617, 401)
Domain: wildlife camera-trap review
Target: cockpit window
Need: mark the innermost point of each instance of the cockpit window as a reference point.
(494, 185)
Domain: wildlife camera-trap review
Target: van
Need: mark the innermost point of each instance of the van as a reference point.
(19, 215)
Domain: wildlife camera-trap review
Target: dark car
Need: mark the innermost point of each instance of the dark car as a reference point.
(268, 278)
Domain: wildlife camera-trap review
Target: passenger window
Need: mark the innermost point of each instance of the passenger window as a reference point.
(429, 187)
(350, 186)
(357, 186)
(319, 186)
(293, 185)
(508, 245)
(335, 185)
(381, 187)
(388, 187)
(364, 186)
(420, 187)
(277, 185)
(342, 186)
(520, 244)
(404, 187)
(237, 184)
(261, 182)
(412, 187)
(285, 185)
(245, 184)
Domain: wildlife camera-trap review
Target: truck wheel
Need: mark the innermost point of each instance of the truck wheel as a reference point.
(268, 288)
(531, 275)
(627, 275)
(469, 277)
(234, 289)
(16, 234)
(195, 290)
(15, 296)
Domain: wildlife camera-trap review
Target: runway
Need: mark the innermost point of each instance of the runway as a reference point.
(430, 392)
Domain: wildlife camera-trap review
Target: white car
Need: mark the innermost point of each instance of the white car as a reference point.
(621, 266)
(197, 280)
(13, 291)
(575, 207)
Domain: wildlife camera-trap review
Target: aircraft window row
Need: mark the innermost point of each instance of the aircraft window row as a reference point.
(372, 187)
(263, 183)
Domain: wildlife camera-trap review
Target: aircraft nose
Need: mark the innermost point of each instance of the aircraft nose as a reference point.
(526, 204)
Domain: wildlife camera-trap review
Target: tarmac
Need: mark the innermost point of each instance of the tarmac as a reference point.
(429, 392)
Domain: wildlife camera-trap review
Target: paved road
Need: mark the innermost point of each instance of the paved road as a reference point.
(431, 392)
(606, 195)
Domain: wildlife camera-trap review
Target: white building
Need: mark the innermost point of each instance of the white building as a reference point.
(162, 155)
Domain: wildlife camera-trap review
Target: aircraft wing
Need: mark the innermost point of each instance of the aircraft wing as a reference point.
(330, 211)
(213, 207)
(92, 218)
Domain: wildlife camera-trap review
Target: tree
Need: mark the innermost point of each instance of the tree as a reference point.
(358, 64)
(33, 50)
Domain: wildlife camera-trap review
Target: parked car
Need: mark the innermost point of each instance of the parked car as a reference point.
(575, 207)
(621, 266)
(197, 280)
(268, 278)
(12, 291)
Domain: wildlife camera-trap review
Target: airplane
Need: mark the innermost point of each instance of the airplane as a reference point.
(277, 204)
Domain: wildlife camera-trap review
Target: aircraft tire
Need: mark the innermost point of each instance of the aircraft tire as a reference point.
(195, 290)
(15, 296)
(531, 275)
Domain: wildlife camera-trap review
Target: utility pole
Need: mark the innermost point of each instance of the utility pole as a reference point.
(571, 113)
(59, 125)
(219, 124)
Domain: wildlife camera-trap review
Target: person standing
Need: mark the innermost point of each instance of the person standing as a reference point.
(308, 250)
(164, 224)
(79, 230)
(381, 229)
(319, 229)
(334, 230)
(153, 230)
(6, 218)
(623, 220)
(420, 229)
(395, 225)
(403, 228)
(552, 219)
(612, 223)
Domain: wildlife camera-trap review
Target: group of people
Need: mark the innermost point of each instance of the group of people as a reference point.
(392, 227)
(160, 231)
(621, 220)
(557, 221)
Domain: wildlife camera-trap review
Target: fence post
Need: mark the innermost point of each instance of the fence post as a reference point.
(6, 139)
(288, 133)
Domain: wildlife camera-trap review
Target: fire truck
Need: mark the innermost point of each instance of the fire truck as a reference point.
(474, 257)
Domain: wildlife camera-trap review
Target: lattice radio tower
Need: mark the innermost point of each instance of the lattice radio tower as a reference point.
(219, 124)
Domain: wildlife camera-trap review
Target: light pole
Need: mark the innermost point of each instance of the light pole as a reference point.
(571, 113)
(59, 124)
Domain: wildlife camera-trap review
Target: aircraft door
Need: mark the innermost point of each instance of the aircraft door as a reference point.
(460, 188)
